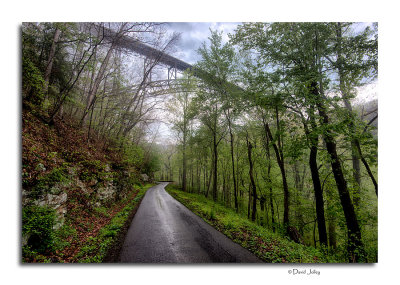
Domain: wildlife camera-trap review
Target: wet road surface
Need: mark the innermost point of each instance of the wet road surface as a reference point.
(165, 231)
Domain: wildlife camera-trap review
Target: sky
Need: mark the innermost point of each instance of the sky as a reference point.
(194, 34)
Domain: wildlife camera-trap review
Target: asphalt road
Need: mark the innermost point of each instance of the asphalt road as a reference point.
(165, 231)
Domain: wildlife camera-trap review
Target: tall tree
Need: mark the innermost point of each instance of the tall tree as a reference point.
(215, 69)
(296, 51)
(100, 74)
(50, 59)
(356, 62)
(181, 108)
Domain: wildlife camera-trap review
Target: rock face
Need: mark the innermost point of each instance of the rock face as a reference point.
(25, 197)
(106, 192)
(145, 177)
(56, 202)
(40, 167)
(82, 187)
(108, 188)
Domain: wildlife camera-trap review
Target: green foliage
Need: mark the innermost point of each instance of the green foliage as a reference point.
(32, 82)
(211, 214)
(268, 246)
(133, 154)
(91, 169)
(62, 235)
(102, 211)
(72, 156)
(46, 182)
(281, 69)
(57, 175)
(152, 163)
(37, 225)
(30, 254)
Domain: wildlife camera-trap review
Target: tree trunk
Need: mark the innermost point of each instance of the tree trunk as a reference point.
(90, 122)
(252, 183)
(96, 84)
(357, 144)
(192, 177)
(184, 182)
(318, 192)
(356, 153)
(283, 174)
(262, 210)
(249, 203)
(271, 203)
(269, 181)
(64, 92)
(198, 173)
(215, 146)
(233, 168)
(210, 176)
(355, 246)
(204, 177)
(50, 61)
(319, 200)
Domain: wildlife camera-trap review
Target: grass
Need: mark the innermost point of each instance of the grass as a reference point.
(268, 246)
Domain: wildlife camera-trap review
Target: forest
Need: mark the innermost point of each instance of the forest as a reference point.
(268, 123)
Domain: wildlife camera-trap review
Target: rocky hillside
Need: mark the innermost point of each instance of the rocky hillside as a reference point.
(72, 189)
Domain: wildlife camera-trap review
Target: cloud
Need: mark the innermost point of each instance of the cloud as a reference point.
(193, 34)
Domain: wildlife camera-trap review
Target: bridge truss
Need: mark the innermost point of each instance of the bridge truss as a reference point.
(174, 66)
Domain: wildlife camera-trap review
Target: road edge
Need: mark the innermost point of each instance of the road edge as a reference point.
(113, 253)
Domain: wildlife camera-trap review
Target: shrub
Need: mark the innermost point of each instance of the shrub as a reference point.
(72, 156)
(46, 182)
(62, 235)
(37, 225)
(92, 169)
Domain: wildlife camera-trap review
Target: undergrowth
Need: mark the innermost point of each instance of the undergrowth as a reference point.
(268, 246)
(97, 247)
(86, 241)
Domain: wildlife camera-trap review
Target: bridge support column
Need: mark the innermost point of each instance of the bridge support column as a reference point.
(171, 73)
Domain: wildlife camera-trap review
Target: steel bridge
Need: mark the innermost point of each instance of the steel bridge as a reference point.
(172, 83)
(128, 43)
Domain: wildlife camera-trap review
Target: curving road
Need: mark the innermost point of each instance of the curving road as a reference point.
(165, 231)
